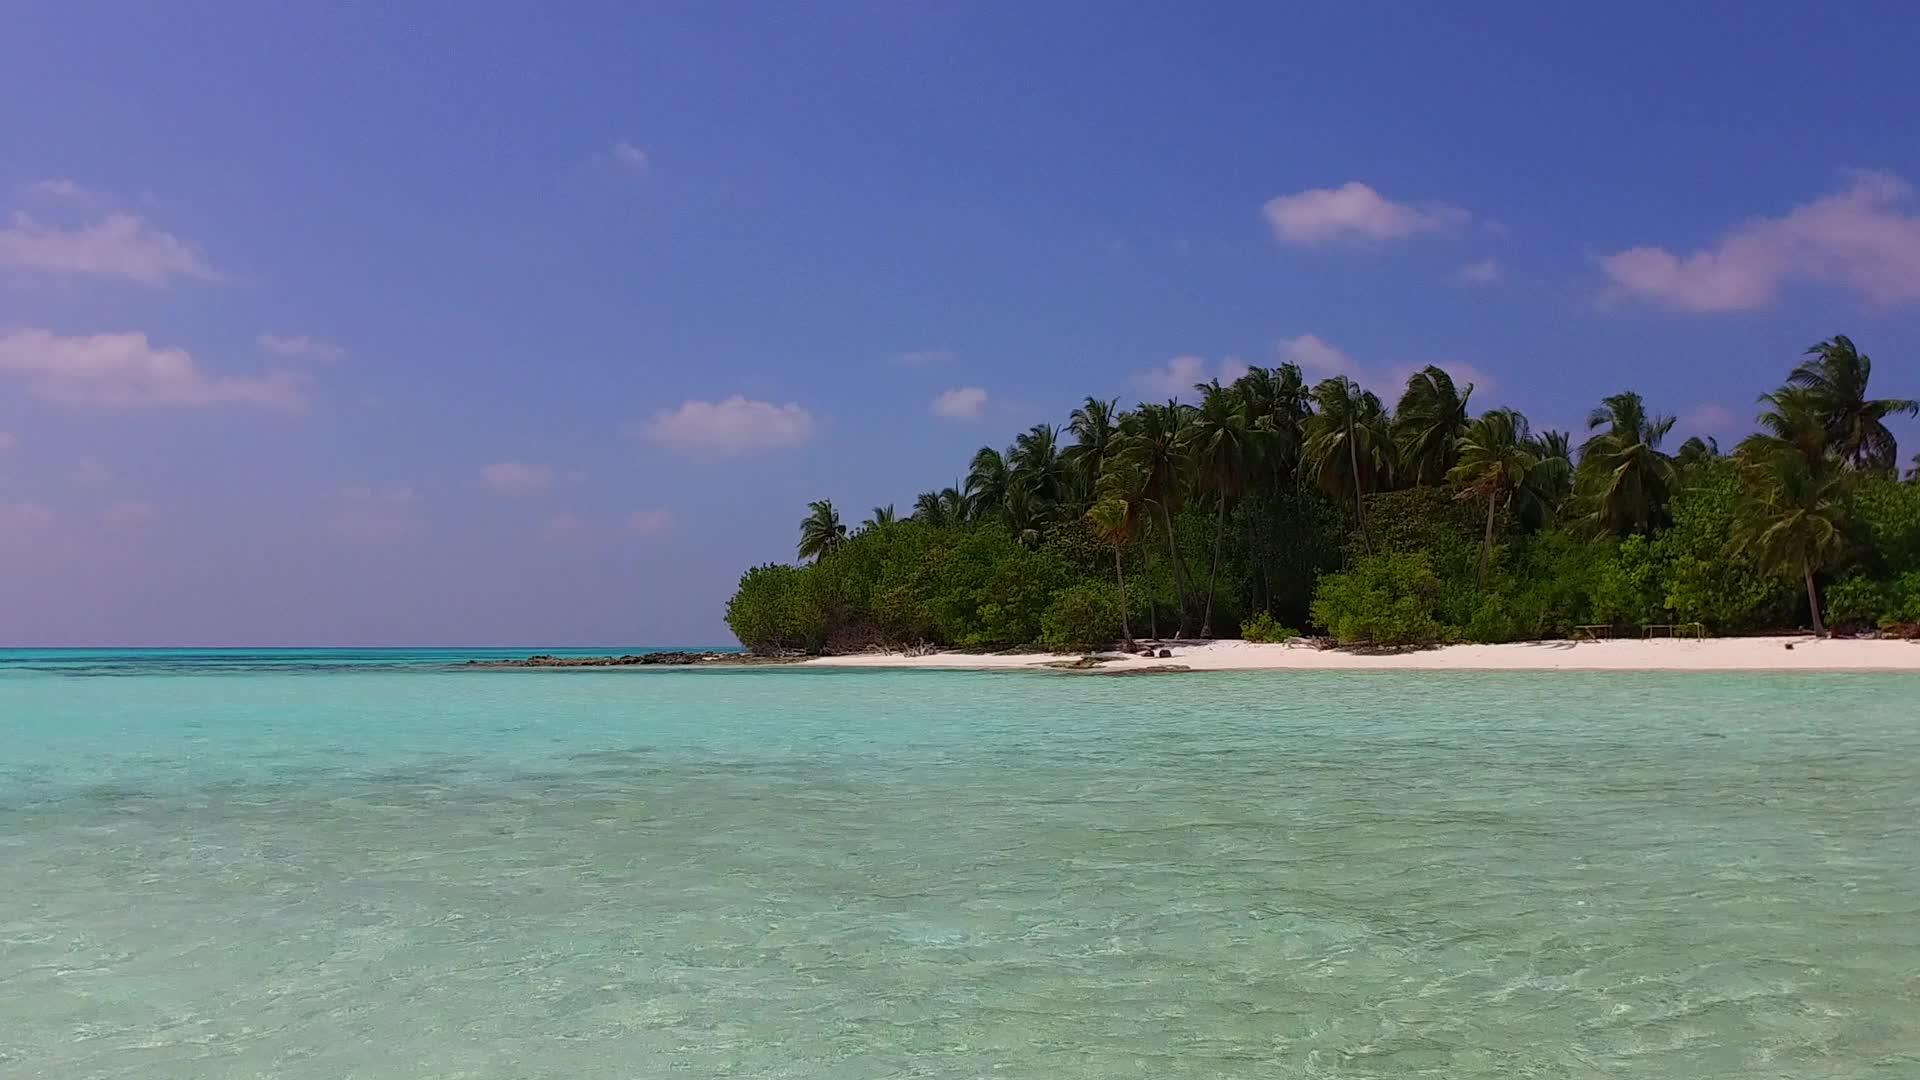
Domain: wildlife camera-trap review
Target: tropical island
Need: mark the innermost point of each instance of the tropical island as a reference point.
(1271, 507)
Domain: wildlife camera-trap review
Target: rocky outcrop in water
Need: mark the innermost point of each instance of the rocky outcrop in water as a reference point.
(653, 659)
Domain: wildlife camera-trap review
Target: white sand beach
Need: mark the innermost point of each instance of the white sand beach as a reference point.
(1713, 654)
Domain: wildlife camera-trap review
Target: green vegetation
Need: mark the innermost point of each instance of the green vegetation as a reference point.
(1083, 616)
(1264, 628)
(1386, 599)
(1271, 503)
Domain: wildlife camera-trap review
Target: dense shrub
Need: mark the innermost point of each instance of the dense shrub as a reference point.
(1384, 600)
(1549, 585)
(1886, 525)
(1266, 629)
(903, 583)
(1862, 602)
(1626, 584)
(1294, 539)
(1700, 579)
(1083, 616)
(1010, 602)
(777, 609)
(1903, 600)
(1856, 602)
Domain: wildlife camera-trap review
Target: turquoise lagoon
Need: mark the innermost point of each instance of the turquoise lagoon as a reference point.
(372, 864)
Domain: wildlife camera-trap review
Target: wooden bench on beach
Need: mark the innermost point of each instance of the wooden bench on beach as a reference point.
(1694, 630)
(1593, 632)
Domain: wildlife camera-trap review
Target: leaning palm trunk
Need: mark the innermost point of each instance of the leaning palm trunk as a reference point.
(1813, 600)
(1119, 579)
(1182, 587)
(1146, 569)
(1213, 571)
(1486, 550)
(1359, 500)
(1255, 556)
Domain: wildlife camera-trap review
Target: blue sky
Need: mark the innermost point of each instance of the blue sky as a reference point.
(498, 324)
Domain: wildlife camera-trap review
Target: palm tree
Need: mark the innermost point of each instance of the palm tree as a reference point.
(1792, 521)
(1115, 521)
(881, 515)
(1151, 456)
(1793, 517)
(1034, 464)
(1428, 424)
(1024, 513)
(927, 509)
(1549, 482)
(1836, 378)
(1496, 455)
(821, 530)
(1093, 425)
(940, 508)
(1220, 449)
(986, 484)
(1624, 477)
(1347, 445)
(1696, 450)
(1276, 403)
(953, 505)
(1795, 421)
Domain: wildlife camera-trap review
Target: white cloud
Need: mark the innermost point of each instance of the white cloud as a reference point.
(961, 403)
(1707, 418)
(59, 188)
(566, 529)
(920, 358)
(1177, 377)
(1319, 359)
(517, 477)
(1354, 212)
(1859, 238)
(300, 347)
(649, 522)
(126, 513)
(119, 245)
(629, 158)
(394, 496)
(1484, 272)
(365, 513)
(24, 515)
(123, 371)
(732, 426)
(91, 472)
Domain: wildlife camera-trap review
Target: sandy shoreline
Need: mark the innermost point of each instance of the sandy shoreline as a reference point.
(1713, 654)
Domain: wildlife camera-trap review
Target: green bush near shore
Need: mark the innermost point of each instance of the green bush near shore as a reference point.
(1388, 599)
(1266, 630)
(1083, 616)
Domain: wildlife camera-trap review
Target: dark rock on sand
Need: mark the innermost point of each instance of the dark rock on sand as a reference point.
(1150, 669)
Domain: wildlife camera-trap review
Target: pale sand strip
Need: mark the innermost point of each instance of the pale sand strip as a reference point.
(1713, 654)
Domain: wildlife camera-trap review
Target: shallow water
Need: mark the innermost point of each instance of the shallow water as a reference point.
(276, 867)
